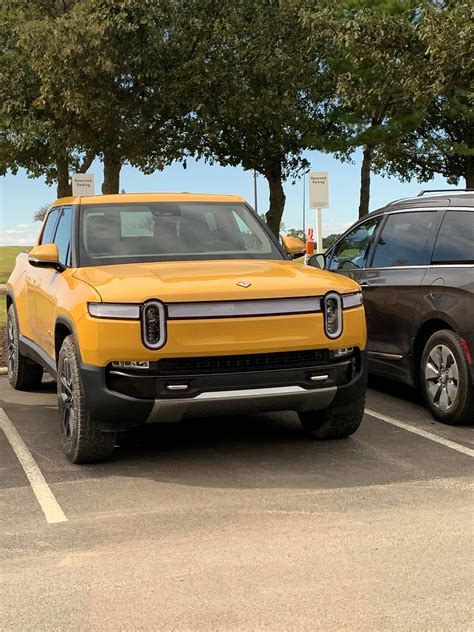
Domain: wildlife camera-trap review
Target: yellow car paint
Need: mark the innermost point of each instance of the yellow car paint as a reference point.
(44, 296)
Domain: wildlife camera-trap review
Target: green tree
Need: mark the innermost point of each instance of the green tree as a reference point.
(444, 140)
(330, 239)
(30, 135)
(381, 95)
(40, 214)
(101, 78)
(264, 95)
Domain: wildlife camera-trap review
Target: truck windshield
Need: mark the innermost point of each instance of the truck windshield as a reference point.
(168, 231)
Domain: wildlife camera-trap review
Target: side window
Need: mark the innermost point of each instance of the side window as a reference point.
(407, 240)
(351, 251)
(62, 238)
(455, 242)
(50, 225)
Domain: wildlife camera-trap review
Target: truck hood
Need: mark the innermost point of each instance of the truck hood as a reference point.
(183, 281)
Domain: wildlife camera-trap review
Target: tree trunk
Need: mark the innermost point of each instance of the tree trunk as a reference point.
(112, 166)
(277, 203)
(86, 163)
(365, 180)
(64, 188)
(469, 175)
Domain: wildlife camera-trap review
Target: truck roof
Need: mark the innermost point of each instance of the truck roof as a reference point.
(127, 198)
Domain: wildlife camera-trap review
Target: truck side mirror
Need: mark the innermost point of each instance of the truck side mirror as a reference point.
(293, 245)
(46, 256)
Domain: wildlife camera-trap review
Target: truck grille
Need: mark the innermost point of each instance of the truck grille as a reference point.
(249, 362)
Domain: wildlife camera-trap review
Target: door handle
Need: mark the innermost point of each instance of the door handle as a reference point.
(367, 284)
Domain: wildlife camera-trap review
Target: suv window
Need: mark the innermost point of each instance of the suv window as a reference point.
(62, 238)
(50, 225)
(455, 242)
(351, 251)
(406, 240)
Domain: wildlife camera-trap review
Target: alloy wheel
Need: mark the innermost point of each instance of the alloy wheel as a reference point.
(10, 348)
(66, 395)
(442, 377)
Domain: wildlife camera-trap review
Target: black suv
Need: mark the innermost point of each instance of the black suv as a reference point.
(414, 259)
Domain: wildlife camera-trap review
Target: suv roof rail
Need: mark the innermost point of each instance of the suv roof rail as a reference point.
(428, 191)
(411, 197)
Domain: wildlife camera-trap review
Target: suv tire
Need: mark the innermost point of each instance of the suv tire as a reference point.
(334, 423)
(445, 379)
(82, 442)
(23, 373)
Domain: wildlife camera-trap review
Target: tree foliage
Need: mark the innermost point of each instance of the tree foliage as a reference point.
(252, 83)
(443, 141)
(379, 97)
(40, 214)
(265, 94)
(101, 78)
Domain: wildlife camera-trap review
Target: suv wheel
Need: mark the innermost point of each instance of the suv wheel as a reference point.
(82, 442)
(23, 373)
(445, 379)
(334, 423)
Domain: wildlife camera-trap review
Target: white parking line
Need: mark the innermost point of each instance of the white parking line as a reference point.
(50, 506)
(423, 433)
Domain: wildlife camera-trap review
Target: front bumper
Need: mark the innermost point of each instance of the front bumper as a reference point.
(113, 408)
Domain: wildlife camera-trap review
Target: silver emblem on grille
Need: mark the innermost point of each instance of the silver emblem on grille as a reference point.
(244, 283)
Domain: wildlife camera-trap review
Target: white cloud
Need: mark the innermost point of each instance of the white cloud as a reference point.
(22, 235)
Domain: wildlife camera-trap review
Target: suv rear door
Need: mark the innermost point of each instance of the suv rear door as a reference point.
(449, 280)
(399, 259)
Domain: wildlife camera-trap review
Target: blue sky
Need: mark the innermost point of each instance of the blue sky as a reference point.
(21, 196)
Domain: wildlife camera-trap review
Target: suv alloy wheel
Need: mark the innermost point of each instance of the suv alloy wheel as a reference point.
(444, 377)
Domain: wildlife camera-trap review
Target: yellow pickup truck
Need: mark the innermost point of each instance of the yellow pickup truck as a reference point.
(157, 307)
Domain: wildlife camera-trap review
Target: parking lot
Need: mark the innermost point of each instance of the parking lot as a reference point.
(240, 523)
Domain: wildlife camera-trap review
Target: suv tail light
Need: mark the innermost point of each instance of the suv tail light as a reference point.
(332, 306)
(154, 324)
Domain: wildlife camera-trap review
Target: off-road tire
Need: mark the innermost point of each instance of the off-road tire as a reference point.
(81, 441)
(462, 411)
(23, 373)
(333, 423)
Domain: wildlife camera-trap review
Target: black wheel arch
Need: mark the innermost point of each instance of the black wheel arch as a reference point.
(65, 327)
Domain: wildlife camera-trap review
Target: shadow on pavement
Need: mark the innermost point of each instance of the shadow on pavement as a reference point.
(396, 389)
(250, 452)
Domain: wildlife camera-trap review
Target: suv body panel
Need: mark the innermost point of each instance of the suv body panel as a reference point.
(400, 300)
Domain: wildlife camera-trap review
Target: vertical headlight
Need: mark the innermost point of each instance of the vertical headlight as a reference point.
(154, 324)
(332, 305)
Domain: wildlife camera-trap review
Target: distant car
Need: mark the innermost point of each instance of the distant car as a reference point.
(414, 259)
(157, 307)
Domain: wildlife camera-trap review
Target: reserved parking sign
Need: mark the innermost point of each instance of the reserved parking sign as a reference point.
(83, 184)
(319, 189)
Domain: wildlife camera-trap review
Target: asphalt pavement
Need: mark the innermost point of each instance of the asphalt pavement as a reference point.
(238, 524)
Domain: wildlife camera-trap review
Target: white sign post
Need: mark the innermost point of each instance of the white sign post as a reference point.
(318, 199)
(83, 184)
